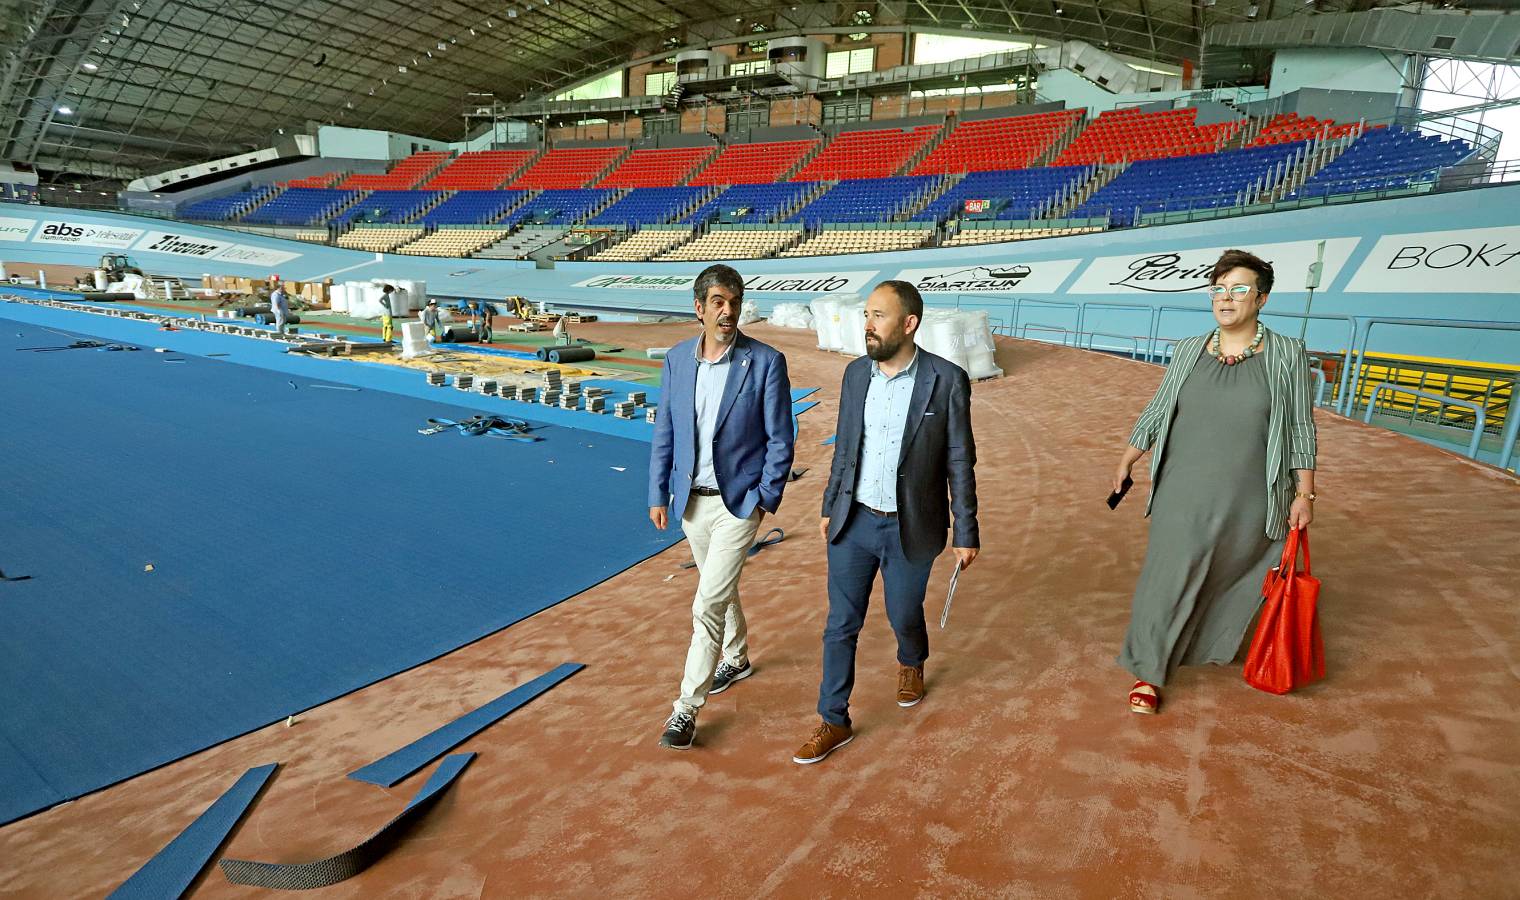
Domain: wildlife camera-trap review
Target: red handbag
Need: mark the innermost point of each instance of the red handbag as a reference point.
(1288, 650)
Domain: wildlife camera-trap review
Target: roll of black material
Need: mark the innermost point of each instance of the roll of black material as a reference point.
(543, 353)
(571, 354)
(459, 334)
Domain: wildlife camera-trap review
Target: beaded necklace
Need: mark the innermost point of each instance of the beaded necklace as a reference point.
(1247, 353)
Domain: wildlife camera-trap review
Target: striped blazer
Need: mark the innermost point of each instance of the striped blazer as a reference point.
(1290, 424)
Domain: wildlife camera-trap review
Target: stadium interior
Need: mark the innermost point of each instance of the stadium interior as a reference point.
(255, 547)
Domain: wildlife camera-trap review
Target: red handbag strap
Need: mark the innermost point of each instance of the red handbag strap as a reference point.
(1303, 541)
(1298, 539)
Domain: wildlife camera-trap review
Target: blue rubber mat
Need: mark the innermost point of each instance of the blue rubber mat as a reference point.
(345, 865)
(172, 870)
(393, 767)
(215, 546)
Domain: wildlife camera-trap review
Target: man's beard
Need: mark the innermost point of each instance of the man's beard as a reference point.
(882, 349)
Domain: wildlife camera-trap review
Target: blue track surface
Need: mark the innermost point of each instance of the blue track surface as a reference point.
(304, 543)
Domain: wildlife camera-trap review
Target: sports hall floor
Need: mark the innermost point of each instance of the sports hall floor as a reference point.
(1022, 774)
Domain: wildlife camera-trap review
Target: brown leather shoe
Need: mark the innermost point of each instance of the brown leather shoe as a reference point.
(910, 685)
(825, 740)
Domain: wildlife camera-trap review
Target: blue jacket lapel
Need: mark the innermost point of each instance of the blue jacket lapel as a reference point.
(923, 389)
(738, 370)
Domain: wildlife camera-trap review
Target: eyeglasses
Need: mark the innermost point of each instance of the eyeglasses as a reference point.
(1236, 291)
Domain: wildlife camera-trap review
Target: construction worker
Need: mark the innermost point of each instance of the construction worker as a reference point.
(431, 319)
(279, 307)
(387, 311)
(482, 309)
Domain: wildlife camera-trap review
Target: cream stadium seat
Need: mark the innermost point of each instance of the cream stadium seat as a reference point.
(642, 245)
(315, 235)
(998, 235)
(453, 241)
(379, 239)
(734, 244)
(827, 243)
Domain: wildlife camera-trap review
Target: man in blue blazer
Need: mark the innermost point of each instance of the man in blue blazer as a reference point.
(903, 439)
(721, 456)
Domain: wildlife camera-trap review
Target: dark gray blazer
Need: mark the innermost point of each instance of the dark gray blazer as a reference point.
(938, 453)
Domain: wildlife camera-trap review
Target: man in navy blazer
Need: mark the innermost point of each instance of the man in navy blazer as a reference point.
(903, 439)
(721, 456)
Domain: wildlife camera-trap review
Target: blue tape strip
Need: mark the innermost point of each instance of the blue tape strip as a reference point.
(171, 871)
(392, 768)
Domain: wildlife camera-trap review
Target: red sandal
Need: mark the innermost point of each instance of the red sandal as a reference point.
(1144, 698)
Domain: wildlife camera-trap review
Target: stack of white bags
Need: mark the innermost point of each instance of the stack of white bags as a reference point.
(791, 315)
(361, 299)
(962, 336)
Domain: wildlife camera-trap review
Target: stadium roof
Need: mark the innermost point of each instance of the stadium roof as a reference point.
(121, 88)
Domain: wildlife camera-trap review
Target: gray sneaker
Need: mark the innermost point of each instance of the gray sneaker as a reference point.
(680, 731)
(726, 675)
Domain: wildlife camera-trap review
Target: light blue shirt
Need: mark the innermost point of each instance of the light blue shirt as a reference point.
(278, 303)
(712, 378)
(886, 417)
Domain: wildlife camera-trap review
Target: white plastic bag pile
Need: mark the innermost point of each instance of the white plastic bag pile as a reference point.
(749, 313)
(361, 299)
(962, 336)
(791, 315)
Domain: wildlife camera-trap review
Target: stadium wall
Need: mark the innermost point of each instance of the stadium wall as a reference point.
(1453, 256)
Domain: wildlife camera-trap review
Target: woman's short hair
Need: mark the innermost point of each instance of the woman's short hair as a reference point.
(1240, 259)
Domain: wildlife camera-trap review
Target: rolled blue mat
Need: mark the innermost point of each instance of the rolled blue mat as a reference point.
(170, 872)
(571, 354)
(543, 353)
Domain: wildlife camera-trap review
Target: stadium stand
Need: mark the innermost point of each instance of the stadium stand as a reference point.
(406, 174)
(480, 170)
(567, 167)
(1017, 194)
(1015, 142)
(758, 163)
(453, 242)
(1190, 182)
(387, 207)
(227, 207)
(655, 167)
(381, 239)
(311, 235)
(1286, 128)
(734, 243)
(522, 244)
(325, 180)
(559, 207)
(1122, 135)
(866, 200)
(651, 206)
(874, 240)
(874, 153)
(302, 206)
(754, 204)
(643, 244)
(1384, 158)
(473, 208)
(998, 235)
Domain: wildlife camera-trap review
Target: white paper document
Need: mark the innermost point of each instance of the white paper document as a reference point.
(955, 576)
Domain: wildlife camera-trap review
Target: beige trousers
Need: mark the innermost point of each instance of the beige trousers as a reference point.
(720, 544)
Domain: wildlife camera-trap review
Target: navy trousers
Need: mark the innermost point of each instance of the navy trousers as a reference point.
(869, 544)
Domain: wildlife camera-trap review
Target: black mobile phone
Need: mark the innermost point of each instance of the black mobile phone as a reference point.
(1116, 496)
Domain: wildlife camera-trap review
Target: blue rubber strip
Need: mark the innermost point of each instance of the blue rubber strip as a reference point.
(392, 768)
(172, 870)
(800, 408)
(802, 393)
(829, 440)
(324, 872)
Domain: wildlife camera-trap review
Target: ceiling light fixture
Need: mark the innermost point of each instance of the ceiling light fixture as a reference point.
(90, 67)
(65, 111)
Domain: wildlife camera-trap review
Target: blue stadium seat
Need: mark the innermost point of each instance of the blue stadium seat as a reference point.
(387, 207)
(866, 200)
(1015, 194)
(472, 208)
(650, 206)
(226, 207)
(1206, 181)
(563, 206)
(301, 206)
(752, 203)
(1384, 158)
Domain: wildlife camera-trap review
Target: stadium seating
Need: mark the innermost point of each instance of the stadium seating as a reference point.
(387, 207)
(730, 243)
(1287, 128)
(1120, 135)
(227, 207)
(759, 163)
(754, 204)
(972, 236)
(473, 208)
(1192, 182)
(1017, 194)
(875, 240)
(559, 207)
(379, 239)
(479, 170)
(643, 244)
(302, 206)
(326, 180)
(1015, 142)
(651, 206)
(404, 176)
(653, 167)
(312, 235)
(567, 167)
(453, 242)
(523, 244)
(1384, 158)
(867, 154)
(866, 200)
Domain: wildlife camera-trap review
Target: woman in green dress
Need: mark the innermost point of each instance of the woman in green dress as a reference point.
(1232, 470)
